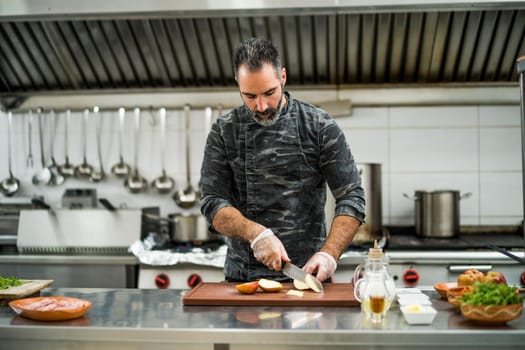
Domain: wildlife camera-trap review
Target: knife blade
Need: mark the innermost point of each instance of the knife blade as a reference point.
(296, 273)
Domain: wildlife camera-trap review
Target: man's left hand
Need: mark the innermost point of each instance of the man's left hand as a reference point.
(322, 264)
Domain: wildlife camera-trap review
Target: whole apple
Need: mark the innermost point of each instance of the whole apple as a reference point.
(468, 277)
(495, 277)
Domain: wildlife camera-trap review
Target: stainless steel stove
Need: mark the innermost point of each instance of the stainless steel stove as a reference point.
(414, 261)
(180, 265)
(79, 248)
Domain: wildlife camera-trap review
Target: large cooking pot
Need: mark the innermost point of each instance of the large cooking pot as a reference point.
(371, 183)
(186, 227)
(437, 213)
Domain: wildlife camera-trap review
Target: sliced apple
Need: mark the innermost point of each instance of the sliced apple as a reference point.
(248, 287)
(311, 283)
(300, 285)
(270, 286)
(295, 293)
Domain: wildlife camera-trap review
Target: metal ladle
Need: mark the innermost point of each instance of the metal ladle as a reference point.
(121, 169)
(208, 121)
(188, 197)
(163, 184)
(84, 170)
(10, 185)
(97, 176)
(67, 169)
(29, 160)
(56, 177)
(43, 176)
(134, 182)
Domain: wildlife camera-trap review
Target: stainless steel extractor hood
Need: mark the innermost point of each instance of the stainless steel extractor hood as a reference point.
(74, 47)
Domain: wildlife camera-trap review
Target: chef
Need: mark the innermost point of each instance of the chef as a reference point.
(264, 174)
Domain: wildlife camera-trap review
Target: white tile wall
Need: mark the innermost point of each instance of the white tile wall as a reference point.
(434, 150)
(439, 117)
(473, 149)
(497, 148)
(499, 115)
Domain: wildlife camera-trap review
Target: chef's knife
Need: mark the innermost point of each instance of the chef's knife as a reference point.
(296, 273)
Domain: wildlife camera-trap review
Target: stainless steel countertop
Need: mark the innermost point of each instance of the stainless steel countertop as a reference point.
(137, 318)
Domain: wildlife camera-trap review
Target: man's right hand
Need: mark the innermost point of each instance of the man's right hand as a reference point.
(269, 250)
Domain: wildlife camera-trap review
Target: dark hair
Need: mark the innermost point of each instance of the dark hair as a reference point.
(253, 53)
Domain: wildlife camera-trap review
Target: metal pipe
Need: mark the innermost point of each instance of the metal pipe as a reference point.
(520, 65)
(378, 96)
(96, 9)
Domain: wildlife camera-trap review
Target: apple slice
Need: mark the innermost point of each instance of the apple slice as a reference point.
(309, 279)
(248, 287)
(270, 286)
(300, 285)
(296, 293)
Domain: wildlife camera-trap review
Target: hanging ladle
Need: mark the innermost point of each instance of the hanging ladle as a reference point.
(188, 197)
(97, 176)
(208, 120)
(43, 176)
(84, 170)
(56, 177)
(67, 169)
(163, 184)
(120, 169)
(10, 185)
(134, 182)
(29, 160)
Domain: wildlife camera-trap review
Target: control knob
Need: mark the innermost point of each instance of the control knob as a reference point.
(162, 281)
(193, 280)
(410, 277)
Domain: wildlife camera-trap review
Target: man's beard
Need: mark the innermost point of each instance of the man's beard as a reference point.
(271, 113)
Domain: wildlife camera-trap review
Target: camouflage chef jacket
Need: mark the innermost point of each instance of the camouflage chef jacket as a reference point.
(276, 175)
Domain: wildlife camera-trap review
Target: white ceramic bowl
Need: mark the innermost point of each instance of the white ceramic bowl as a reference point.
(413, 299)
(418, 314)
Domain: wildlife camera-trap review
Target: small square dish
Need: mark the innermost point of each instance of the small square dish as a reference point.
(413, 299)
(413, 296)
(409, 290)
(418, 314)
(407, 302)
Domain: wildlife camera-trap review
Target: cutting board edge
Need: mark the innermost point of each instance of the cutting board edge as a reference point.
(198, 302)
(188, 300)
(15, 294)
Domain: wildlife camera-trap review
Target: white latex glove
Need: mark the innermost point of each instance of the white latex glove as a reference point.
(269, 250)
(321, 263)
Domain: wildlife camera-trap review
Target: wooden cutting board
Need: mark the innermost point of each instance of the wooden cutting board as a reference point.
(29, 287)
(225, 294)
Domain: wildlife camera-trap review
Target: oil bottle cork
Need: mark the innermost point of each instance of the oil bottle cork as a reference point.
(375, 252)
